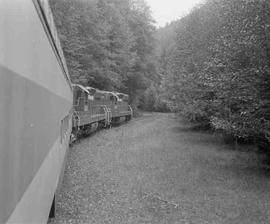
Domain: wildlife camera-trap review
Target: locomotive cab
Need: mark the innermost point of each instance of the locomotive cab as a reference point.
(124, 108)
(92, 92)
(113, 99)
(123, 97)
(80, 98)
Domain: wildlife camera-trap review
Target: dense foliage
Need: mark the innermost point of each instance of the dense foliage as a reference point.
(108, 44)
(218, 70)
(212, 66)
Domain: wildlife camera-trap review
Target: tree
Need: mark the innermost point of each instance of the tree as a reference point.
(218, 70)
(108, 43)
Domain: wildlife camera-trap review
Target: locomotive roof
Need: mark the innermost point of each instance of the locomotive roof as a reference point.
(114, 94)
(91, 89)
(81, 87)
(108, 92)
(88, 89)
(121, 94)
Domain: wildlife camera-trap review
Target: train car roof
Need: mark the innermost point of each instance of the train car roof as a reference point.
(44, 10)
(81, 87)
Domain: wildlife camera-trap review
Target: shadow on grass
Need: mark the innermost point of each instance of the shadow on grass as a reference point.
(189, 127)
(193, 129)
(223, 143)
(204, 134)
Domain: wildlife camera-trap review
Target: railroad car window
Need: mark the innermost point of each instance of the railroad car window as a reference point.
(90, 97)
(85, 105)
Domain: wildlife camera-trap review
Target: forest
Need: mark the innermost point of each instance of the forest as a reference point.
(212, 66)
(108, 44)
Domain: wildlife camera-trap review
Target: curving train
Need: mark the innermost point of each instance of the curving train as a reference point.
(40, 110)
(93, 108)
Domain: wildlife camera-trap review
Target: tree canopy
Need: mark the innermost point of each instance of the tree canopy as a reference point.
(217, 71)
(211, 66)
(108, 44)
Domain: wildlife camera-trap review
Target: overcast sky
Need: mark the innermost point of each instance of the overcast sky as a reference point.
(165, 11)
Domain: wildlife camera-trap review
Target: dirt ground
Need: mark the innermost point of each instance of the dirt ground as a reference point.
(155, 169)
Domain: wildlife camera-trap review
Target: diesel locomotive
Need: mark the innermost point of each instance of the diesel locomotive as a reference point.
(40, 110)
(94, 109)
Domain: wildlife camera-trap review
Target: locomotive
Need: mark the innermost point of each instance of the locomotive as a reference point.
(94, 108)
(40, 109)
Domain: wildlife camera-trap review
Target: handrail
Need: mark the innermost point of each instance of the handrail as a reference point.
(75, 113)
(108, 114)
(130, 108)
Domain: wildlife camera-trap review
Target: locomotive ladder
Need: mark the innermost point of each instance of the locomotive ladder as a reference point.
(131, 111)
(76, 119)
(108, 114)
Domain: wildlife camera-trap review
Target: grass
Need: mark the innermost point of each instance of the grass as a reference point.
(156, 169)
